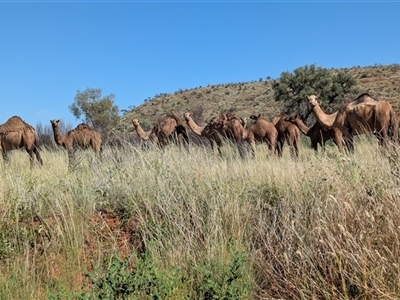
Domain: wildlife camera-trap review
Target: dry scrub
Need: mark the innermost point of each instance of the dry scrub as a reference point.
(323, 226)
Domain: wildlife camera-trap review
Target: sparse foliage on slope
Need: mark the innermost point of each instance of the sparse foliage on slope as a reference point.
(247, 98)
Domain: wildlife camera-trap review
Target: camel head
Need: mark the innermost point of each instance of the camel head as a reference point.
(256, 117)
(187, 116)
(291, 119)
(135, 122)
(54, 123)
(243, 121)
(313, 100)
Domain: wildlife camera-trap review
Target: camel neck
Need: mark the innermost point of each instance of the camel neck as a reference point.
(198, 130)
(303, 127)
(323, 118)
(141, 133)
(57, 136)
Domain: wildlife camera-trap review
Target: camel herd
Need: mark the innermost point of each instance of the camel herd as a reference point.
(362, 115)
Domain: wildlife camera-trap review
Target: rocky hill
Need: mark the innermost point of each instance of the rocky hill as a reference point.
(246, 98)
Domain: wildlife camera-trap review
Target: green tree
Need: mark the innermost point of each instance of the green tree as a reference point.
(98, 111)
(332, 86)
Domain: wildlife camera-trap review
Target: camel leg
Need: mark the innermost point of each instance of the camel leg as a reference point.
(253, 148)
(241, 149)
(338, 139)
(71, 157)
(31, 157)
(295, 148)
(38, 157)
(186, 141)
(271, 145)
(293, 145)
(219, 145)
(349, 143)
(314, 144)
(5, 156)
(279, 148)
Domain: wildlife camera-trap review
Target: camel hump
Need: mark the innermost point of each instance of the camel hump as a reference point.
(14, 123)
(365, 98)
(83, 126)
(231, 116)
(178, 121)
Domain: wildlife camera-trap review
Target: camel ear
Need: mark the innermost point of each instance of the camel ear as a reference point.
(58, 121)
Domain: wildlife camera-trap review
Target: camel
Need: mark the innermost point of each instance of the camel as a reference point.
(145, 136)
(362, 115)
(229, 126)
(204, 131)
(316, 133)
(288, 132)
(170, 128)
(83, 136)
(261, 130)
(16, 133)
(326, 120)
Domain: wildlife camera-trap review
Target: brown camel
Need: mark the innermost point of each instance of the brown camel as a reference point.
(171, 128)
(288, 132)
(362, 115)
(260, 131)
(205, 131)
(316, 133)
(144, 135)
(326, 120)
(83, 136)
(16, 133)
(230, 127)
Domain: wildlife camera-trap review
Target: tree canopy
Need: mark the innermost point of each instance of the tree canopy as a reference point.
(99, 112)
(332, 86)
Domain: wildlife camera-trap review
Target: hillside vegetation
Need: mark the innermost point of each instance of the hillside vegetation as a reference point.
(172, 225)
(246, 98)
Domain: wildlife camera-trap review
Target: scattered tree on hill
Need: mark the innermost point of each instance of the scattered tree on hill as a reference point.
(333, 87)
(99, 112)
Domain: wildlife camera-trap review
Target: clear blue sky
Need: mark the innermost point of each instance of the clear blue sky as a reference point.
(135, 50)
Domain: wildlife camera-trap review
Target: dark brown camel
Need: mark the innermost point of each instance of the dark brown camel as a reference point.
(288, 132)
(171, 128)
(16, 133)
(316, 133)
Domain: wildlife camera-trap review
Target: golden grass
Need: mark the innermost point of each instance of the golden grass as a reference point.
(322, 226)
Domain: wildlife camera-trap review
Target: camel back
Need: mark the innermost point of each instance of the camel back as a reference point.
(364, 98)
(83, 126)
(80, 127)
(14, 123)
(177, 120)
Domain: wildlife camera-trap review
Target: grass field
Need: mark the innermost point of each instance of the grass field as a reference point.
(146, 224)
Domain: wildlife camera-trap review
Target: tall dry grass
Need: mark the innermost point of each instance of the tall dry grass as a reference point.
(321, 226)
